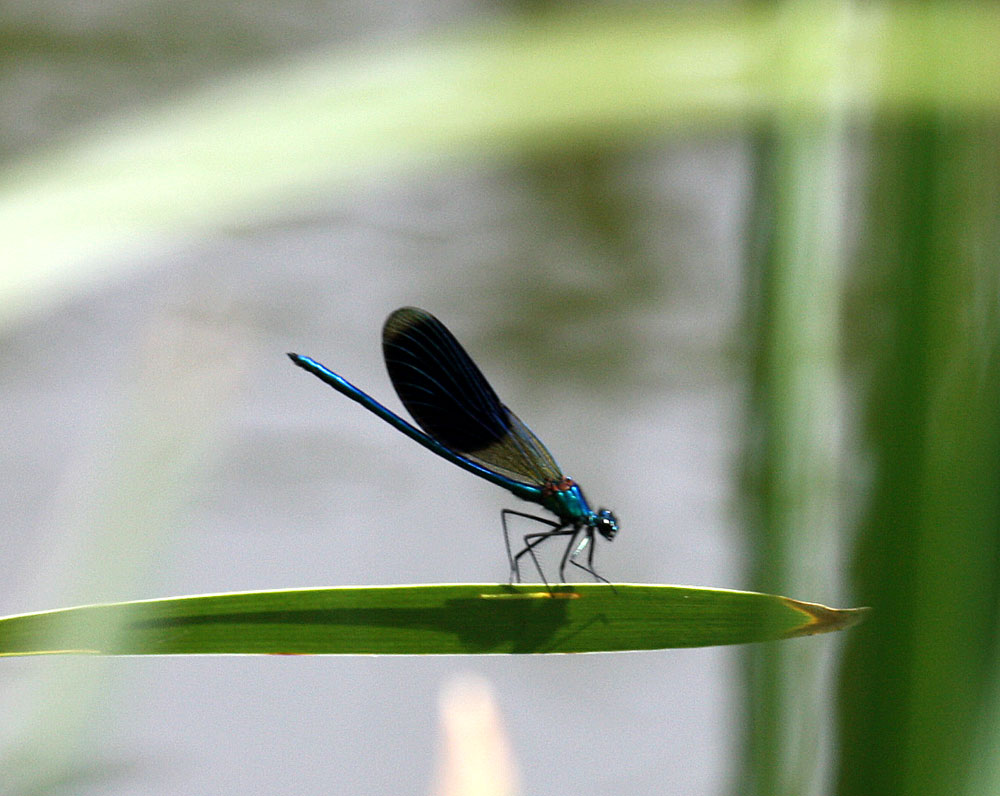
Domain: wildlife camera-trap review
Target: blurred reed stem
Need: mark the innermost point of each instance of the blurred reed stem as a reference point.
(915, 679)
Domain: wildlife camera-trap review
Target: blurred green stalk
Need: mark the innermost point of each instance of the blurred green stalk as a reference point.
(915, 679)
(794, 437)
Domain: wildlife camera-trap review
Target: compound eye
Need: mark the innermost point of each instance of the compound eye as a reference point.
(607, 524)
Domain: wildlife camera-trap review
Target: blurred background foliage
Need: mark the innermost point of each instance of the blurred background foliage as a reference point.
(871, 289)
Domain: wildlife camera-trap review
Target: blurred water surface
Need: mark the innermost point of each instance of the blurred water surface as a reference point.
(599, 290)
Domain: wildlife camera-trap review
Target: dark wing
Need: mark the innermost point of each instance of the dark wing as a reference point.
(450, 399)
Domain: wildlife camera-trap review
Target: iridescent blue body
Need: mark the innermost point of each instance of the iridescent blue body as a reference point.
(462, 420)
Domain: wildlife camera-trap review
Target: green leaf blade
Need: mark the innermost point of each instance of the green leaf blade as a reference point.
(450, 619)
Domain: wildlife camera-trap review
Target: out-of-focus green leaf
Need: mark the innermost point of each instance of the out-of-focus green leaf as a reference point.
(917, 680)
(235, 152)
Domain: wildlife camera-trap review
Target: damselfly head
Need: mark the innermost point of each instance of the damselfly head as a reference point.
(606, 524)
